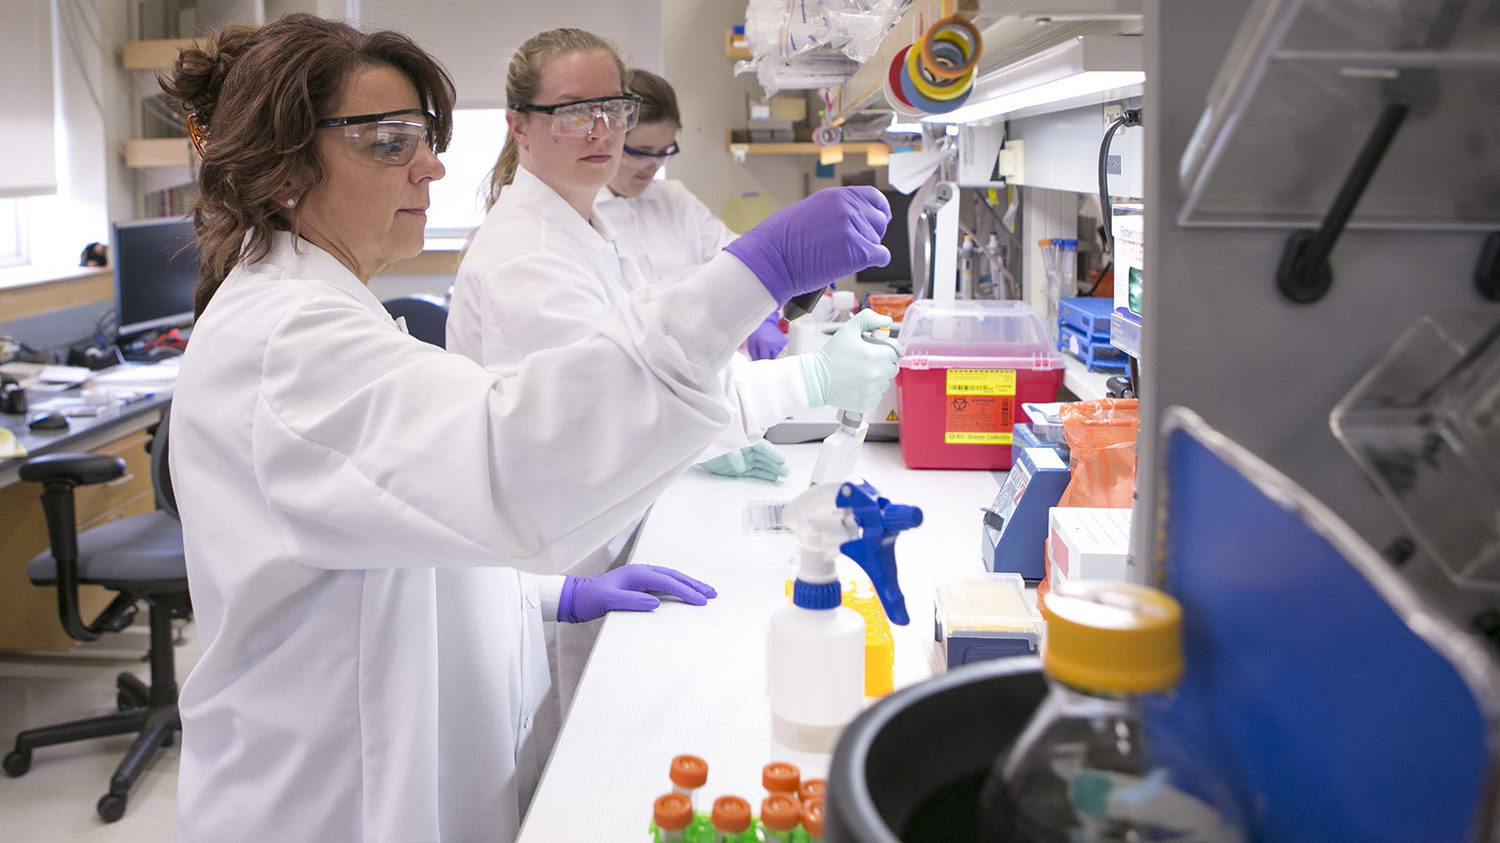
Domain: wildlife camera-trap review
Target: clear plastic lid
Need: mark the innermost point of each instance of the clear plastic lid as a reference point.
(986, 605)
(986, 334)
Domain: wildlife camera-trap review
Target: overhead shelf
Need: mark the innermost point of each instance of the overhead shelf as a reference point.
(876, 153)
(158, 153)
(153, 55)
(1011, 30)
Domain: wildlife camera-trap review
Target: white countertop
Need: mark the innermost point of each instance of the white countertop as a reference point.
(692, 680)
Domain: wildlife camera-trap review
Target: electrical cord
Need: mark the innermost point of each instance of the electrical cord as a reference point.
(1131, 118)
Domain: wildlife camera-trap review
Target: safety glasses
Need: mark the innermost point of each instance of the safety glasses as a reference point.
(576, 119)
(654, 157)
(391, 137)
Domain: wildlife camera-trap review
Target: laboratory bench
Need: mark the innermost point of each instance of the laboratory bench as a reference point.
(693, 680)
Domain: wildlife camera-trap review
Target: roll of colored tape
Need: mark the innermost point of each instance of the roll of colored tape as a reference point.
(932, 106)
(828, 136)
(959, 29)
(892, 87)
(941, 91)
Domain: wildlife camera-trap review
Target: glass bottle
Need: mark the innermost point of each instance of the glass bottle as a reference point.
(1084, 770)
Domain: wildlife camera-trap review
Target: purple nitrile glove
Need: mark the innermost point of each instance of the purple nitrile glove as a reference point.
(767, 340)
(807, 246)
(624, 589)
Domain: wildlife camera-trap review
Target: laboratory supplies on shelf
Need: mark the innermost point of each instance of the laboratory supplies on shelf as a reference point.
(1084, 768)
(968, 268)
(1128, 234)
(1060, 262)
(817, 645)
(1083, 330)
(967, 367)
(984, 617)
(1014, 534)
(1088, 543)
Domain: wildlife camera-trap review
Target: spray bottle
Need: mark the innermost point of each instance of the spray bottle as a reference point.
(817, 645)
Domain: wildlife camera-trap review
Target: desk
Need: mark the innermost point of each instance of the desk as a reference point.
(693, 680)
(28, 615)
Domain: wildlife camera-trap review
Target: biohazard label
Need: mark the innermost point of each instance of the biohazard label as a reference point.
(980, 406)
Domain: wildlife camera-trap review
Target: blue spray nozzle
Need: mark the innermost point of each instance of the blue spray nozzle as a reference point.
(875, 549)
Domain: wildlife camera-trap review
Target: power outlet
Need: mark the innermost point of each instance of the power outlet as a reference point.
(1113, 111)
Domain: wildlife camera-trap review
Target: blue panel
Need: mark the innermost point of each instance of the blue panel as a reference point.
(1335, 719)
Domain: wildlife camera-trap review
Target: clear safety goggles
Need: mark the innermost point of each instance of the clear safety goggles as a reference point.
(576, 119)
(391, 137)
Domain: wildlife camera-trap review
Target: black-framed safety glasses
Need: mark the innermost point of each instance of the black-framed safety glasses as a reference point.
(390, 137)
(658, 157)
(576, 118)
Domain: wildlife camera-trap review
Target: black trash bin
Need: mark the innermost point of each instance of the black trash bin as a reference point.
(910, 768)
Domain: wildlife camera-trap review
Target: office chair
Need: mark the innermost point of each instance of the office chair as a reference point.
(139, 557)
(426, 317)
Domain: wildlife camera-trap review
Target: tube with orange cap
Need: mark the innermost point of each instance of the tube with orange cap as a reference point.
(688, 774)
(672, 814)
(812, 819)
(731, 819)
(780, 814)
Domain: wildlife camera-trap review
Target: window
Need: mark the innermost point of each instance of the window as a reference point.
(13, 239)
(458, 198)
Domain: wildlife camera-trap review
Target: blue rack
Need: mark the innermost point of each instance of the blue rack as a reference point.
(1097, 354)
(1088, 316)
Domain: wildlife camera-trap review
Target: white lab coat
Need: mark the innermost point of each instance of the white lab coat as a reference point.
(666, 230)
(346, 491)
(537, 275)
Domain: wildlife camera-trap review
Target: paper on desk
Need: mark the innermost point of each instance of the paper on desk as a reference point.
(9, 447)
(72, 375)
(164, 372)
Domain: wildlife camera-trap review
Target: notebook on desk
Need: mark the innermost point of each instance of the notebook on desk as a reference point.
(149, 373)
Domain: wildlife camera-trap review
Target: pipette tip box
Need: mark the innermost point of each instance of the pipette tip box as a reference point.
(985, 616)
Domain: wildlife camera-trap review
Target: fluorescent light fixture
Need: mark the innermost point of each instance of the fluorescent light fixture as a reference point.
(1079, 67)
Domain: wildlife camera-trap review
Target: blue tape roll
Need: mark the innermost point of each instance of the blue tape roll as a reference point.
(932, 106)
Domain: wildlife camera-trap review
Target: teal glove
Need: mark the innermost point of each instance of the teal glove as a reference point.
(760, 460)
(848, 372)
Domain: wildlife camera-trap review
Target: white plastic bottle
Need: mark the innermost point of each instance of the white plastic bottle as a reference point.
(817, 645)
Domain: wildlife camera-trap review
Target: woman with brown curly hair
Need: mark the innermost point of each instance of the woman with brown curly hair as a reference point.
(357, 505)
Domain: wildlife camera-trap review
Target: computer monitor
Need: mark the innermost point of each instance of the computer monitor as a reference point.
(156, 268)
(897, 273)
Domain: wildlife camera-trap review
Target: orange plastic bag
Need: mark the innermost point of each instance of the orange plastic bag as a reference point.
(1101, 443)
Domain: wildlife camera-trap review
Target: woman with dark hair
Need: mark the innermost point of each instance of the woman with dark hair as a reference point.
(357, 505)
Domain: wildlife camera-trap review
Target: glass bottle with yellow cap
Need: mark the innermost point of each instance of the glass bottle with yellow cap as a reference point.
(1084, 769)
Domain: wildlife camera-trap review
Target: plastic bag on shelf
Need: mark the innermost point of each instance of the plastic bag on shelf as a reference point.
(813, 43)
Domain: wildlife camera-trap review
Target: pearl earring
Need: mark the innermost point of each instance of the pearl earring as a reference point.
(291, 203)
